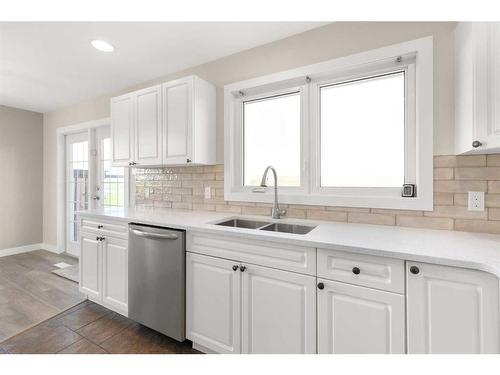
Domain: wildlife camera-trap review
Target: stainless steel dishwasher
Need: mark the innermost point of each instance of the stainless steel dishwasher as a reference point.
(157, 279)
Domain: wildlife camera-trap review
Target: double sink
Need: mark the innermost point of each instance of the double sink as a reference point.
(267, 226)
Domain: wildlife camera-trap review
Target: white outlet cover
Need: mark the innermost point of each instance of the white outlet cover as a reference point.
(208, 192)
(476, 201)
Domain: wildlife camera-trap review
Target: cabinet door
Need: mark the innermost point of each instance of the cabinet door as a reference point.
(213, 303)
(148, 128)
(178, 121)
(278, 311)
(359, 320)
(115, 273)
(451, 310)
(122, 109)
(90, 265)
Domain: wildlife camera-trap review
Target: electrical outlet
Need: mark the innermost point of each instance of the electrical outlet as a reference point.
(476, 201)
(208, 192)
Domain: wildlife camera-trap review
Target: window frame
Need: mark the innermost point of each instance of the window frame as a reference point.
(414, 57)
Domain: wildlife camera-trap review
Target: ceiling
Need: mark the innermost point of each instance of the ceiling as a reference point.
(46, 66)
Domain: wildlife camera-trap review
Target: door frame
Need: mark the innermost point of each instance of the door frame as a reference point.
(61, 134)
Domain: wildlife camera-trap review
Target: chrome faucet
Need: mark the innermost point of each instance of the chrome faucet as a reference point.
(276, 212)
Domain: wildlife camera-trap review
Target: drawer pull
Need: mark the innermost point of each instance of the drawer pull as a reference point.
(356, 271)
(321, 286)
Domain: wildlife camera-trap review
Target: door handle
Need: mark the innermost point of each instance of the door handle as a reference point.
(154, 236)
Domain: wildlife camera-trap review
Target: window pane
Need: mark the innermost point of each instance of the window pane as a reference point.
(272, 137)
(362, 132)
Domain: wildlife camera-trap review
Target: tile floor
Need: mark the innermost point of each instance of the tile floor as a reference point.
(30, 293)
(89, 328)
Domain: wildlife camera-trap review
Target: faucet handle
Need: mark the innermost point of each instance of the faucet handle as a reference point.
(282, 212)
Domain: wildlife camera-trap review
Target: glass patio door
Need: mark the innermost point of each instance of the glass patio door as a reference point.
(77, 186)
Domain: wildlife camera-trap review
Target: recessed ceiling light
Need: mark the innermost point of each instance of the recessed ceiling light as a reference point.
(103, 46)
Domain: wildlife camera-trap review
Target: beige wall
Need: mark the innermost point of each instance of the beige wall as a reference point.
(21, 141)
(328, 42)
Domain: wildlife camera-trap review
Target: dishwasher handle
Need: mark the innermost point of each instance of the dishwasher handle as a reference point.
(154, 236)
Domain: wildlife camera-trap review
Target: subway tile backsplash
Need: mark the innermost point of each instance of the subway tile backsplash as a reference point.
(454, 176)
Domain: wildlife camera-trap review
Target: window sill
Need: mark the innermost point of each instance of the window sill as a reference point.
(424, 203)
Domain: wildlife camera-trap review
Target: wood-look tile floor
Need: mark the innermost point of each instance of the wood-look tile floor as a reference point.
(30, 293)
(89, 328)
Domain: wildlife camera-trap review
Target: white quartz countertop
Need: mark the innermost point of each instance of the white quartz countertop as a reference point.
(462, 249)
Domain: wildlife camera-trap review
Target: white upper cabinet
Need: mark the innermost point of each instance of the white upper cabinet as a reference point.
(189, 121)
(148, 129)
(451, 310)
(122, 120)
(168, 124)
(477, 87)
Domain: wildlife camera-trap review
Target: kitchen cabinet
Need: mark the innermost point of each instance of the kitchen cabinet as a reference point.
(451, 310)
(115, 273)
(477, 87)
(90, 265)
(168, 124)
(104, 264)
(243, 308)
(354, 319)
(189, 121)
(278, 311)
(136, 129)
(213, 303)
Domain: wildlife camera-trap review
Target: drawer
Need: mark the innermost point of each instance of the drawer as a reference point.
(264, 253)
(105, 227)
(359, 269)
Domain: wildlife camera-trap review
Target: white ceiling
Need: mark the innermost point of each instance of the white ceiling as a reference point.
(45, 66)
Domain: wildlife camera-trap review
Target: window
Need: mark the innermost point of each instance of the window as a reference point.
(346, 132)
(113, 178)
(362, 125)
(272, 135)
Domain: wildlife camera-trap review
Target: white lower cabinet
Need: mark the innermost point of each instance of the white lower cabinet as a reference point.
(115, 273)
(451, 310)
(278, 311)
(354, 319)
(236, 308)
(213, 303)
(90, 264)
(104, 270)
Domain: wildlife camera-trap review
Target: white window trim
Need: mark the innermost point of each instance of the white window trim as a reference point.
(421, 49)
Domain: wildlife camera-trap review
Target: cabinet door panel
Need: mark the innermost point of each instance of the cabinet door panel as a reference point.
(90, 266)
(278, 312)
(178, 113)
(452, 310)
(358, 320)
(148, 128)
(115, 273)
(213, 303)
(122, 129)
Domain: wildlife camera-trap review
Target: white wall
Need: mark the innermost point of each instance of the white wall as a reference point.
(324, 43)
(21, 141)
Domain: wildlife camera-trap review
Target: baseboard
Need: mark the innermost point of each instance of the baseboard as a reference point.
(20, 249)
(51, 248)
(28, 248)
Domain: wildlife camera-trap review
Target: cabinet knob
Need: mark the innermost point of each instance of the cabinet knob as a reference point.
(97, 239)
(356, 270)
(188, 160)
(101, 238)
(476, 144)
(235, 267)
(243, 268)
(414, 270)
(100, 226)
(321, 286)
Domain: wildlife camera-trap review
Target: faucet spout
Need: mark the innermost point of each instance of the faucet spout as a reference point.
(276, 211)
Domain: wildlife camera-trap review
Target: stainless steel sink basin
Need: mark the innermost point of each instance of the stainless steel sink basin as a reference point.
(288, 228)
(242, 223)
